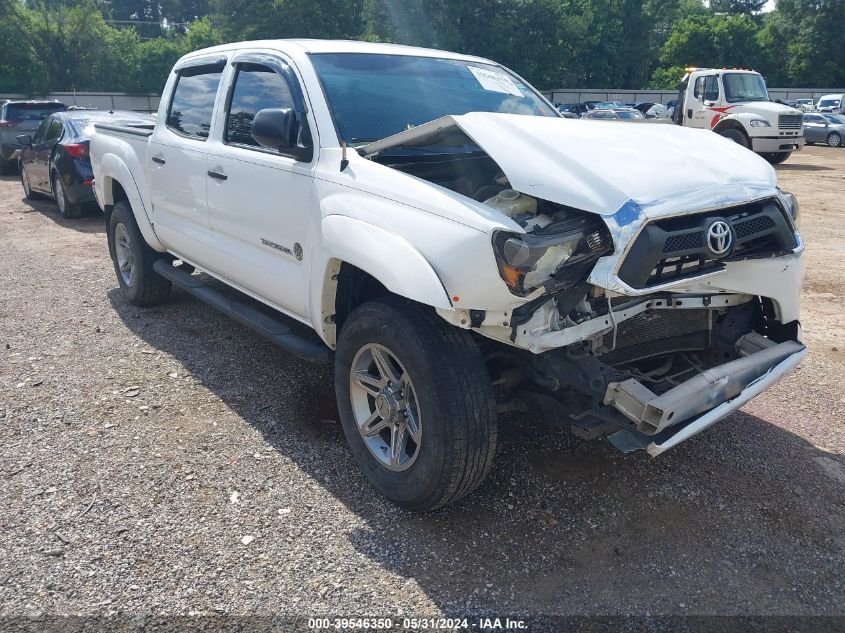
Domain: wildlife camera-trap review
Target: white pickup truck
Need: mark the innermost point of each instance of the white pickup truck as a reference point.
(459, 249)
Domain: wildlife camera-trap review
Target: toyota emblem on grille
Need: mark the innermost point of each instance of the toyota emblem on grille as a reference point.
(719, 238)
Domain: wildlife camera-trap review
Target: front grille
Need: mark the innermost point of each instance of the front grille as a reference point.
(757, 224)
(677, 249)
(684, 242)
(791, 121)
(658, 332)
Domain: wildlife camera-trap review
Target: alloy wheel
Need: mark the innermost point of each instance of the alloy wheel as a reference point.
(25, 182)
(385, 407)
(124, 255)
(60, 194)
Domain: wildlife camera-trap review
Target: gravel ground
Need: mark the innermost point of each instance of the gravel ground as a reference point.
(168, 461)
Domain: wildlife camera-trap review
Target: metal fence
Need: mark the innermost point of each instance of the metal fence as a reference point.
(570, 95)
(99, 100)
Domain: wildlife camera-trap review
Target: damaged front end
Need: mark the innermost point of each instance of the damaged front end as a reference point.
(646, 325)
(658, 370)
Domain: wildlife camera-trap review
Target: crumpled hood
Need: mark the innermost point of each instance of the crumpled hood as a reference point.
(593, 165)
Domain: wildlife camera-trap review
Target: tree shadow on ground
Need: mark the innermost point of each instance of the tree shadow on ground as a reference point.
(740, 519)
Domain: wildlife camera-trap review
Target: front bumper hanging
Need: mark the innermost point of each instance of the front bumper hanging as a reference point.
(663, 421)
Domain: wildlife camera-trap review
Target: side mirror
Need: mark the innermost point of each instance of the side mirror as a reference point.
(24, 139)
(275, 128)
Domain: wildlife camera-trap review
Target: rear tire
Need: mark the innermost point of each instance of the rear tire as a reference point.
(133, 260)
(435, 382)
(66, 208)
(834, 139)
(736, 136)
(776, 158)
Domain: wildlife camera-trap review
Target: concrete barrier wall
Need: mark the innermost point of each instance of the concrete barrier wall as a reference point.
(149, 102)
(99, 100)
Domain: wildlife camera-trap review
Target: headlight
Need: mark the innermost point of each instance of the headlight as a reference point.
(556, 257)
(759, 123)
(792, 207)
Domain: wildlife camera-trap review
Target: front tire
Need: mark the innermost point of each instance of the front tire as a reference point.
(736, 136)
(834, 139)
(133, 260)
(415, 402)
(66, 208)
(776, 158)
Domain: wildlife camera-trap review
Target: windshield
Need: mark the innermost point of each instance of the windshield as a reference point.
(627, 114)
(829, 103)
(372, 96)
(836, 120)
(31, 111)
(744, 87)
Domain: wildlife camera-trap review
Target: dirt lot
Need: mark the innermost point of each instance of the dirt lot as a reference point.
(169, 461)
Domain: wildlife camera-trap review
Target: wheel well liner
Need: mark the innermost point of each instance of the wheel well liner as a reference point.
(354, 287)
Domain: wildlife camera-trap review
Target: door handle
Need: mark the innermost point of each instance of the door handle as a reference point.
(689, 113)
(159, 160)
(217, 175)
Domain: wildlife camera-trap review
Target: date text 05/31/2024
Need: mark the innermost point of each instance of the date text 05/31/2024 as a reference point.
(418, 624)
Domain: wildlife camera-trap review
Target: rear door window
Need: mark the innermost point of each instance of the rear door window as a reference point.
(41, 134)
(193, 101)
(54, 132)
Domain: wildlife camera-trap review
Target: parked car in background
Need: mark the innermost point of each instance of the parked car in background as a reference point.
(575, 108)
(615, 114)
(54, 161)
(834, 104)
(20, 117)
(651, 110)
(824, 128)
(807, 105)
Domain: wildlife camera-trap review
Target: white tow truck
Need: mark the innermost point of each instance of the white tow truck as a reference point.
(735, 103)
(458, 249)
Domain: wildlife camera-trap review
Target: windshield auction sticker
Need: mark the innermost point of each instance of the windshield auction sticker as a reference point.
(495, 81)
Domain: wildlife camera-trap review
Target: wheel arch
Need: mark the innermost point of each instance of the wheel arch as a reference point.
(115, 184)
(731, 122)
(360, 262)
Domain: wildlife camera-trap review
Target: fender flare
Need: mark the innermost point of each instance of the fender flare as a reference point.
(740, 119)
(386, 256)
(113, 169)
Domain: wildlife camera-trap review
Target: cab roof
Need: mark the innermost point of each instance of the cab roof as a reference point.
(307, 46)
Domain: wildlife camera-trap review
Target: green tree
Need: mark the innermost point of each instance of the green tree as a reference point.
(721, 41)
(805, 42)
(737, 6)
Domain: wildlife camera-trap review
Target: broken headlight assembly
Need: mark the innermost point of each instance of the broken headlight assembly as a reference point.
(791, 206)
(556, 257)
